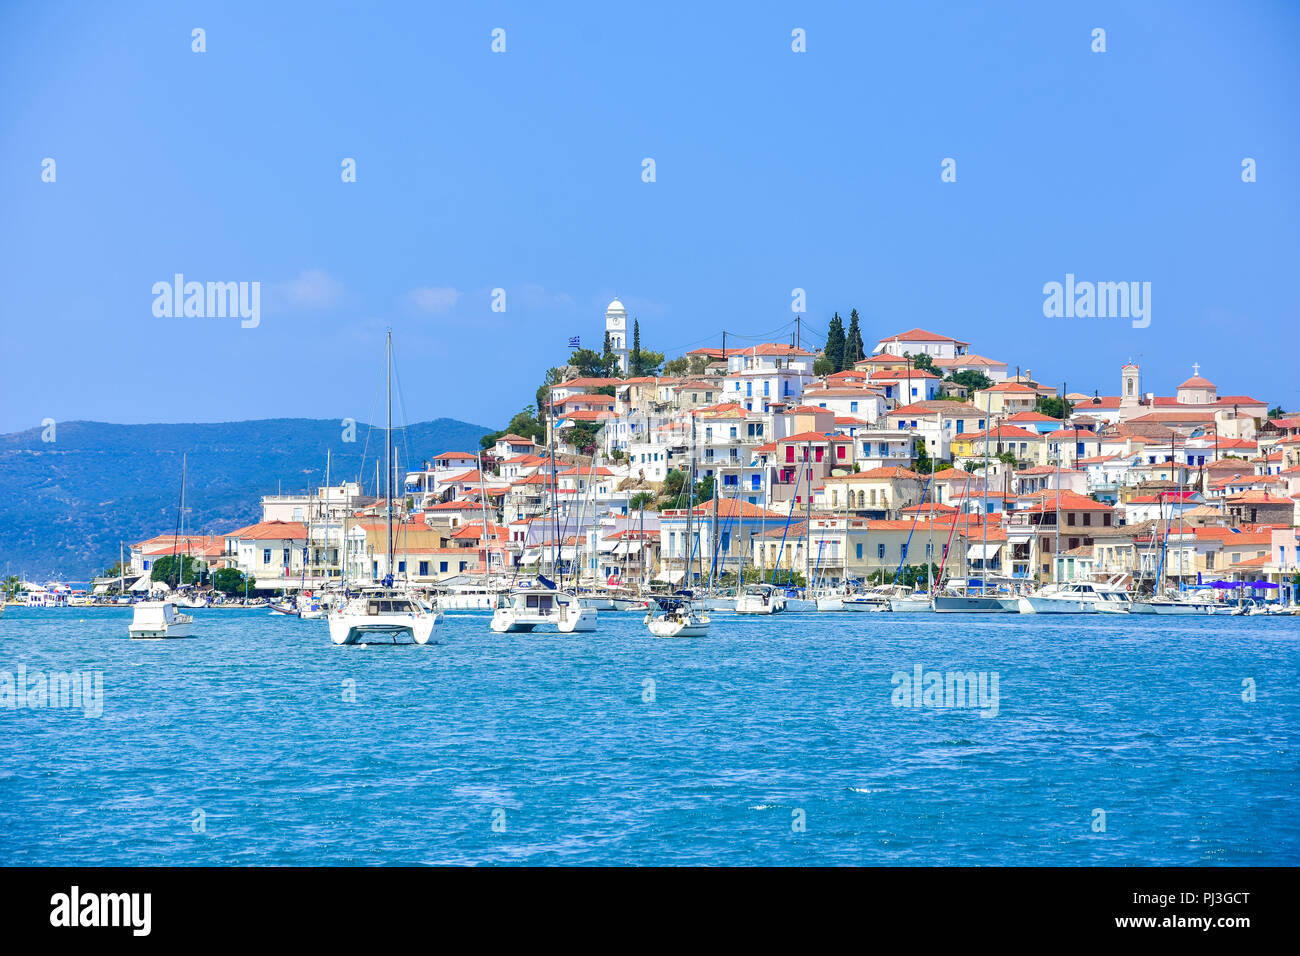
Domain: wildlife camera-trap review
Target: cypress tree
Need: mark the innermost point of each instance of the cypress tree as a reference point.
(835, 342)
(636, 369)
(853, 350)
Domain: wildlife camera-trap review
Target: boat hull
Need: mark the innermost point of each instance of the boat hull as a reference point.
(911, 605)
(348, 629)
(973, 604)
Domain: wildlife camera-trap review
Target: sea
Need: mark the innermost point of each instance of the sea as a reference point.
(812, 739)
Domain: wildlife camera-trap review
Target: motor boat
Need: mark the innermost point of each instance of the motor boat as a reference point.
(288, 608)
(760, 599)
(158, 619)
(381, 612)
(1075, 597)
(676, 618)
(525, 609)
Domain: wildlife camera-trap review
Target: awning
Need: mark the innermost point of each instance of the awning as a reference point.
(142, 583)
(983, 552)
(672, 577)
(531, 557)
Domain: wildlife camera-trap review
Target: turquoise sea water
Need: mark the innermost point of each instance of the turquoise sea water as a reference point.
(240, 745)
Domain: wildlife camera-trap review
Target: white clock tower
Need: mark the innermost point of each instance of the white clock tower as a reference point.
(616, 329)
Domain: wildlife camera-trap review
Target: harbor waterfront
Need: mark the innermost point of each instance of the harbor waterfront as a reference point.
(1113, 739)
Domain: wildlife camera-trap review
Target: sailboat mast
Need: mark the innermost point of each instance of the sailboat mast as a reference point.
(690, 511)
(388, 454)
(984, 516)
(807, 521)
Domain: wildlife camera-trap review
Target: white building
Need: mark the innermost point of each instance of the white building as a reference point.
(616, 329)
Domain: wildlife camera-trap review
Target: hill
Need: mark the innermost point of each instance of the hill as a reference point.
(65, 504)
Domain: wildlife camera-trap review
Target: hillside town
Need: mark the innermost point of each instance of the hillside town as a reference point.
(776, 462)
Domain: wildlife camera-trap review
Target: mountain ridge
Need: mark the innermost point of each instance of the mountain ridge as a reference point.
(65, 504)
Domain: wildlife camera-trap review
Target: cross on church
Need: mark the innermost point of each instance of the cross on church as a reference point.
(1196, 368)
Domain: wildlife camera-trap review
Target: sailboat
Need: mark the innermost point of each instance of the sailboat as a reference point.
(386, 610)
(676, 618)
(983, 601)
(524, 609)
(159, 619)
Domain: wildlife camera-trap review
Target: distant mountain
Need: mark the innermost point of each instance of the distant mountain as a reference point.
(65, 504)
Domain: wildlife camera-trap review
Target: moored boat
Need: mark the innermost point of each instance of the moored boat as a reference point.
(526, 609)
(159, 619)
(673, 618)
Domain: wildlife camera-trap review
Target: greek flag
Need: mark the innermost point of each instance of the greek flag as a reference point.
(575, 342)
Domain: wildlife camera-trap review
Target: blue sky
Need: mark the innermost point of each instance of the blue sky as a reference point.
(775, 170)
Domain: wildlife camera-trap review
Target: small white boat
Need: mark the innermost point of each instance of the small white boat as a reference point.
(525, 609)
(158, 619)
(381, 613)
(760, 599)
(676, 619)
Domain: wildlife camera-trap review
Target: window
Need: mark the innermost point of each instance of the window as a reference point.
(442, 567)
(286, 557)
(859, 547)
(853, 406)
(840, 451)
(880, 551)
(789, 453)
(401, 567)
(266, 555)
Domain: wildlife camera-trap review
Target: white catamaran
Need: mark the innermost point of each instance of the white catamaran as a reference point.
(386, 611)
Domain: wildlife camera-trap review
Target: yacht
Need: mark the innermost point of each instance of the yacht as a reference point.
(156, 619)
(381, 612)
(1075, 597)
(525, 609)
(386, 610)
(676, 619)
(760, 599)
(829, 599)
(959, 599)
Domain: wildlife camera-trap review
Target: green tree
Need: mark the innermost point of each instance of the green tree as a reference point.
(823, 366)
(1276, 412)
(853, 349)
(835, 343)
(164, 569)
(553, 376)
(651, 361)
(972, 380)
(1053, 406)
(588, 364)
(923, 363)
(687, 365)
(923, 464)
(642, 499)
(232, 581)
(608, 360)
(634, 366)
(12, 585)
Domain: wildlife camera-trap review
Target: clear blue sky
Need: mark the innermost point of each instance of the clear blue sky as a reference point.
(522, 170)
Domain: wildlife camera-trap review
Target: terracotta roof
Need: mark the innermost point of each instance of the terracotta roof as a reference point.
(920, 335)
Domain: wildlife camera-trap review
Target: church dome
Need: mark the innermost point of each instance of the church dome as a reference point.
(1197, 381)
(616, 306)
